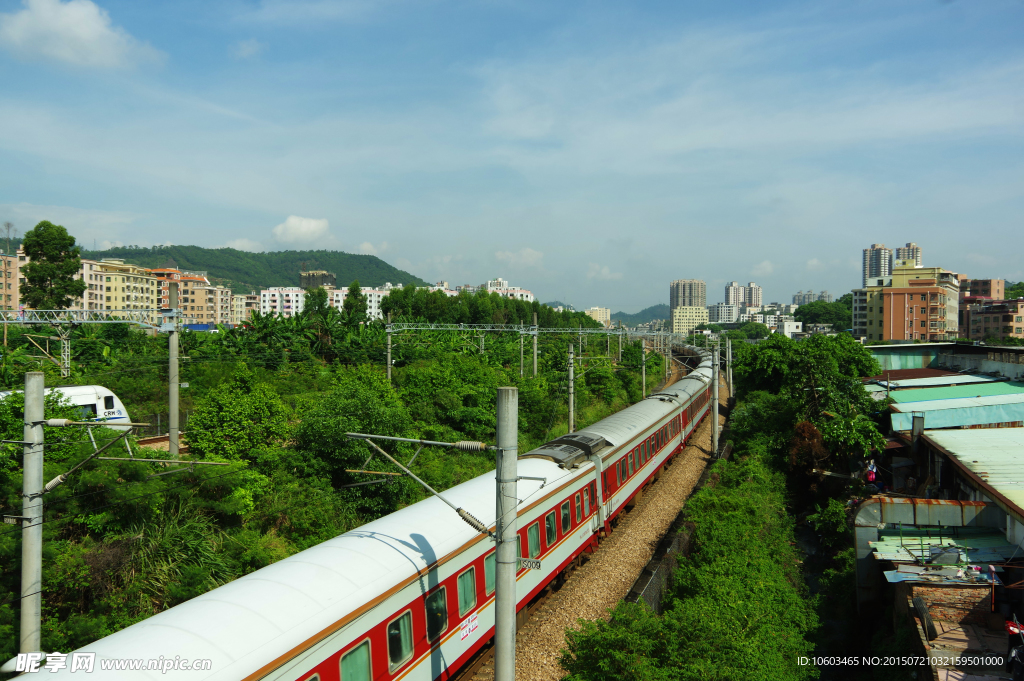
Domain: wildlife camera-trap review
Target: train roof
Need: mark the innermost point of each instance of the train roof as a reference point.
(252, 621)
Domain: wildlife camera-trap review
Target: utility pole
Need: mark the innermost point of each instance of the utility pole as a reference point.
(173, 378)
(389, 347)
(481, 344)
(522, 360)
(32, 517)
(643, 369)
(728, 366)
(714, 401)
(534, 345)
(620, 340)
(505, 528)
(572, 392)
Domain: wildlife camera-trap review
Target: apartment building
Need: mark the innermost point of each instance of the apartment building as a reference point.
(242, 306)
(801, 298)
(723, 313)
(994, 319)
(877, 263)
(95, 295)
(915, 303)
(686, 318)
(687, 293)
(600, 314)
(126, 286)
(909, 254)
(285, 301)
(750, 295)
(10, 277)
(502, 288)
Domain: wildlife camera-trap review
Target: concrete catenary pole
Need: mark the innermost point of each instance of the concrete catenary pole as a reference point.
(714, 401)
(535, 344)
(32, 520)
(728, 366)
(506, 478)
(522, 364)
(643, 368)
(389, 347)
(174, 382)
(572, 392)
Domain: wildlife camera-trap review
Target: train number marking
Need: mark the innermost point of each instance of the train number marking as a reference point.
(531, 564)
(468, 626)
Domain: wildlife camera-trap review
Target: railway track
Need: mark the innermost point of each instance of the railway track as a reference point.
(605, 577)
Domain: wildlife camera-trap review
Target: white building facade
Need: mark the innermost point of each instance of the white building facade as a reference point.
(723, 313)
(285, 301)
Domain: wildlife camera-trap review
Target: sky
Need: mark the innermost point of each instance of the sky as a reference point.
(588, 151)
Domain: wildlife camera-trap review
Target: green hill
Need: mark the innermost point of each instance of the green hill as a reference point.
(243, 271)
(643, 316)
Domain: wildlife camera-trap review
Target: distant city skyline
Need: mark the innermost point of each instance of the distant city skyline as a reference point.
(590, 152)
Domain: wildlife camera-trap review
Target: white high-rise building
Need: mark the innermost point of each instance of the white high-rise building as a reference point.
(723, 313)
(877, 263)
(910, 253)
(752, 294)
(687, 293)
(734, 293)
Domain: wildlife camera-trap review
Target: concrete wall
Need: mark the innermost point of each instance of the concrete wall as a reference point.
(908, 356)
(980, 364)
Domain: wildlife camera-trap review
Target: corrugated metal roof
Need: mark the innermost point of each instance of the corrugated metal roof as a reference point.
(903, 374)
(995, 455)
(954, 413)
(958, 391)
(936, 381)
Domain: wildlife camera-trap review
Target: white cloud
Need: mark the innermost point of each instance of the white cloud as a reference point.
(297, 230)
(762, 269)
(107, 244)
(76, 32)
(524, 257)
(814, 265)
(245, 49)
(602, 273)
(367, 248)
(245, 245)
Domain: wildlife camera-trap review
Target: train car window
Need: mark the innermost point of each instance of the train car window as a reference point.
(578, 509)
(489, 573)
(625, 469)
(315, 677)
(631, 468)
(519, 563)
(533, 538)
(586, 503)
(566, 520)
(108, 402)
(643, 448)
(437, 613)
(593, 493)
(467, 591)
(550, 529)
(355, 664)
(400, 640)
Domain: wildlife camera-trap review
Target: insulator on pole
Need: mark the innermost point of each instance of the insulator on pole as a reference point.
(471, 521)
(59, 480)
(470, 446)
(59, 423)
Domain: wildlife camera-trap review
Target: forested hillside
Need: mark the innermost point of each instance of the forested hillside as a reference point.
(643, 316)
(243, 271)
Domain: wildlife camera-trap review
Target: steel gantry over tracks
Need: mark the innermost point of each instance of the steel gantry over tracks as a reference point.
(64, 320)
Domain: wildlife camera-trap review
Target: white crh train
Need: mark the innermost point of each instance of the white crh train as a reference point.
(94, 402)
(411, 595)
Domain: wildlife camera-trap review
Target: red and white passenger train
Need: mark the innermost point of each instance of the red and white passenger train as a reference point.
(411, 595)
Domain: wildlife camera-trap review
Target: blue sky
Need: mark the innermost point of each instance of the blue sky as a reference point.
(590, 151)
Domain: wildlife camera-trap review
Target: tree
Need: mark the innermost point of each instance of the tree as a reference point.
(355, 304)
(837, 315)
(755, 330)
(50, 278)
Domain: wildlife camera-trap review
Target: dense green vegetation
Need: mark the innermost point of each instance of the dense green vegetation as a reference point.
(644, 316)
(274, 399)
(739, 606)
(1014, 291)
(243, 271)
(838, 314)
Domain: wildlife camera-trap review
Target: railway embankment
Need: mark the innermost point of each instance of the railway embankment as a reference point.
(608, 576)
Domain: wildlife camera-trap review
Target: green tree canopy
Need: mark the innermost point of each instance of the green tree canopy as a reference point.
(755, 330)
(355, 304)
(51, 276)
(837, 315)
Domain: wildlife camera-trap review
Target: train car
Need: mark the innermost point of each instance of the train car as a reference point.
(411, 595)
(94, 402)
